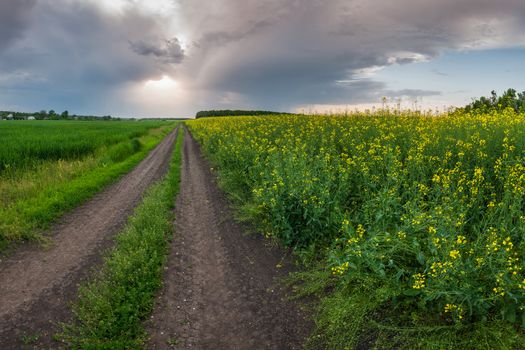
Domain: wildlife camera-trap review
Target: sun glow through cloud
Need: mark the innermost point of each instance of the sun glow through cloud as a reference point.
(154, 97)
(164, 83)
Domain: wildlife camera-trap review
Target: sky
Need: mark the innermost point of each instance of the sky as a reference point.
(171, 58)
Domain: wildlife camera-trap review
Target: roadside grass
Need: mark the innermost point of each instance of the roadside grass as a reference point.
(34, 198)
(113, 305)
(361, 315)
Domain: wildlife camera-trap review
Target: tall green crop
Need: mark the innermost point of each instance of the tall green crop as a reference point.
(26, 143)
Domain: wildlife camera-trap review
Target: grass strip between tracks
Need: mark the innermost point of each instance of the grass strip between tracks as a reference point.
(112, 306)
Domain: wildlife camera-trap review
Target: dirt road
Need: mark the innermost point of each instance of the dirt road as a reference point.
(221, 289)
(36, 285)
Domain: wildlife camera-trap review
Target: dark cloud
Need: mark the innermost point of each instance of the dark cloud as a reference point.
(306, 47)
(220, 38)
(14, 16)
(168, 50)
(76, 51)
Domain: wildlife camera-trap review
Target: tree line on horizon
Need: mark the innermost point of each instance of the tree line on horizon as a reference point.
(52, 115)
(230, 113)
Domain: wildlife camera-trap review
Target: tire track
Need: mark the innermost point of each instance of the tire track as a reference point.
(221, 287)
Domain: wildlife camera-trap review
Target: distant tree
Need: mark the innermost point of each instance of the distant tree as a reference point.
(509, 99)
(493, 97)
(42, 114)
(52, 115)
(64, 115)
(520, 101)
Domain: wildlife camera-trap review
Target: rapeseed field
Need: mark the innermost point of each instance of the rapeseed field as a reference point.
(411, 226)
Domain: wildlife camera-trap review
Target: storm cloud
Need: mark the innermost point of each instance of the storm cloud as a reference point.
(76, 52)
(314, 51)
(167, 50)
(14, 17)
(234, 53)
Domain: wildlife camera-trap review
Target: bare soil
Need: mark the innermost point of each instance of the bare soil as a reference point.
(37, 285)
(222, 287)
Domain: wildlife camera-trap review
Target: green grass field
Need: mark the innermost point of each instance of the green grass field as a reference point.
(26, 144)
(49, 167)
(412, 227)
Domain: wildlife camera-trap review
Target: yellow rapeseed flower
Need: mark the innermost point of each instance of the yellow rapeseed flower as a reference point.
(454, 254)
(419, 281)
